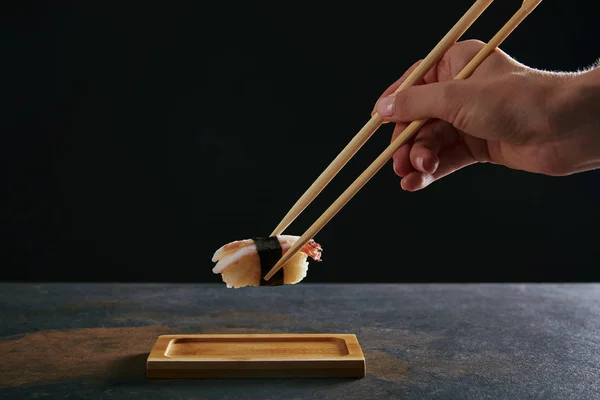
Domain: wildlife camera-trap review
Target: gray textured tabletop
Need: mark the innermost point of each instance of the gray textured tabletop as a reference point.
(479, 341)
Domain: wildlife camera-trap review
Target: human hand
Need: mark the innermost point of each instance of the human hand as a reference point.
(506, 113)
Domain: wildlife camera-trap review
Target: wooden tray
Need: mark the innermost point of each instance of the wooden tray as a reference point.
(256, 356)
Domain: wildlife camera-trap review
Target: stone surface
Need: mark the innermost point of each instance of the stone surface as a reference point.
(421, 341)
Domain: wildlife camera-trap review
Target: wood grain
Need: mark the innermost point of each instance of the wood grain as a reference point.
(256, 356)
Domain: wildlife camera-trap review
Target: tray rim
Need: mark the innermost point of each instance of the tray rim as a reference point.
(157, 354)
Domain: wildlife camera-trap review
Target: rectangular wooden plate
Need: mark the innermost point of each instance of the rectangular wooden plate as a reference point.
(256, 356)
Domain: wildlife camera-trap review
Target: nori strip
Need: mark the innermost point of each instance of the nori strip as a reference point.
(269, 251)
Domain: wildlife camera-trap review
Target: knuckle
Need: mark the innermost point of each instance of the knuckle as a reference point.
(472, 44)
(402, 105)
(449, 99)
(444, 69)
(427, 137)
(458, 56)
(455, 107)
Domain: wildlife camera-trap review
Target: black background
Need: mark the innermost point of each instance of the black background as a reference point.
(136, 139)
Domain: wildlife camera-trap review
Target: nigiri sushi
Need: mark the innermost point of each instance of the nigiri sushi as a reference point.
(245, 262)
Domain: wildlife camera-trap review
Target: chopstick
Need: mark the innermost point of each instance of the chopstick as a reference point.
(376, 120)
(526, 8)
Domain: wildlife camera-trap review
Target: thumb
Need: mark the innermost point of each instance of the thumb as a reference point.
(451, 101)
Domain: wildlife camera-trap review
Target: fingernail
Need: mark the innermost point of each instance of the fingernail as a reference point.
(385, 107)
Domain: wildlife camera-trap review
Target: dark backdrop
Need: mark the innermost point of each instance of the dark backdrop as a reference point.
(138, 138)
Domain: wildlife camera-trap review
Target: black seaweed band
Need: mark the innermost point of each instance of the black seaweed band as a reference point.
(269, 251)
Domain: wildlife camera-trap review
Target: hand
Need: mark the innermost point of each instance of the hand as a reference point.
(506, 113)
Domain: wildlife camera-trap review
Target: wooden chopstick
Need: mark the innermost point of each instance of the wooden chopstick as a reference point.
(376, 120)
(526, 8)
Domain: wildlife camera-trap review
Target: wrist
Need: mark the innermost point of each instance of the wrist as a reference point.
(576, 120)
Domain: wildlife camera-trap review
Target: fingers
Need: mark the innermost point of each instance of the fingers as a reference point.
(461, 53)
(450, 101)
(432, 137)
(421, 153)
(401, 161)
(446, 68)
(450, 160)
(401, 157)
(456, 58)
